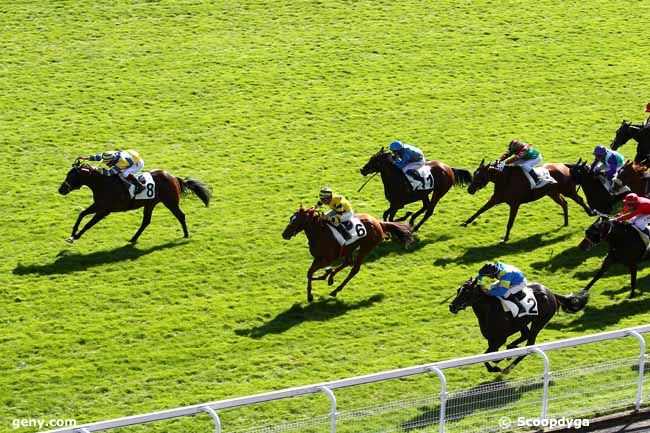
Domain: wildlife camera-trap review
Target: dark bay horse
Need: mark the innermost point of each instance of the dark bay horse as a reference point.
(597, 195)
(399, 193)
(640, 133)
(497, 325)
(634, 176)
(624, 247)
(325, 249)
(512, 187)
(110, 195)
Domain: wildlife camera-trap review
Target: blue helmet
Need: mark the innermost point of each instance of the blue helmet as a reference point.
(396, 145)
(600, 151)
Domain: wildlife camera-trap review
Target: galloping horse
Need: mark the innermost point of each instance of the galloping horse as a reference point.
(325, 249)
(633, 175)
(497, 325)
(512, 187)
(110, 195)
(399, 193)
(640, 133)
(624, 246)
(597, 195)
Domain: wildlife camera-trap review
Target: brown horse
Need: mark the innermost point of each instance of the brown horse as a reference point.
(110, 195)
(399, 193)
(512, 187)
(325, 249)
(633, 175)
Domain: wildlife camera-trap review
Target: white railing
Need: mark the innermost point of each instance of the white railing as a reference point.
(437, 368)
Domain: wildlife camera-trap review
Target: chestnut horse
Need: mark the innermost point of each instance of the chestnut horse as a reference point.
(633, 175)
(399, 193)
(110, 195)
(325, 249)
(512, 187)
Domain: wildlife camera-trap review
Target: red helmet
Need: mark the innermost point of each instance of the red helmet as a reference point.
(631, 198)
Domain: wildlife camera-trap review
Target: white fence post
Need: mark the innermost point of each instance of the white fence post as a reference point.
(215, 417)
(639, 390)
(547, 379)
(332, 398)
(443, 396)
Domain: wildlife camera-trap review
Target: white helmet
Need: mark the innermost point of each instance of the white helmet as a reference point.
(325, 192)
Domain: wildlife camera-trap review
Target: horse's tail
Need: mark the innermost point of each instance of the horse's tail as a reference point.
(463, 176)
(201, 189)
(574, 302)
(400, 231)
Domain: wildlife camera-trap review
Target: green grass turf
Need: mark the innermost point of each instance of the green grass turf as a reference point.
(267, 102)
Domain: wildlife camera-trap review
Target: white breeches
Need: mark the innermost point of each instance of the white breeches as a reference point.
(641, 221)
(528, 164)
(133, 169)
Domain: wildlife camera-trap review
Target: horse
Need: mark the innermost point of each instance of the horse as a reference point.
(640, 133)
(325, 249)
(497, 325)
(597, 195)
(633, 176)
(512, 187)
(111, 195)
(624, 246)
(398, 191)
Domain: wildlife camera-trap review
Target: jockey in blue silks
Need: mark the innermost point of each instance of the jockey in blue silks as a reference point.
(408, 158)
(510, 282)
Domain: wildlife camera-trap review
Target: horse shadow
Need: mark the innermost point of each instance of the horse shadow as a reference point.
(321, 310)
(68, 262)
(569, 259)
(488, 395)
(390, 248)
(488, 252)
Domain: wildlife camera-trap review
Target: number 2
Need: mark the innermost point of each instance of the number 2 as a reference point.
(533, 306)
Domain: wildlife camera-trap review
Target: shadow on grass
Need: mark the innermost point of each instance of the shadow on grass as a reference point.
(595, 318)
(321, 310)
(570, 258)
(68, 262)
(393, 248)
(462, 404)
(488, 252)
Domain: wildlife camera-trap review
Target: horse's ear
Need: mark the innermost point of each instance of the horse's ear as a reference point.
(381, 150)
(482, 162)
(579, 161)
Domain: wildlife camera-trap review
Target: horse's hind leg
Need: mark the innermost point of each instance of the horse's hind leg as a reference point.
(535, 327)
(557, 198)
(525, 333)
(632, 280)
(573, 195)
(358, 260)
(146, 219)
(180, 216)
(514, 208)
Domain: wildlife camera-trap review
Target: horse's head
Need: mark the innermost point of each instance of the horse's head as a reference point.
(73, 179)
(579, 171)
(596, 232)
(480, 178)
(377, 162)
(631, 173)
(468, 294)
(299, 221)
(623, 134)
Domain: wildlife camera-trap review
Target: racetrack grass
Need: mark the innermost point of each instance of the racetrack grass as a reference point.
(267, 102)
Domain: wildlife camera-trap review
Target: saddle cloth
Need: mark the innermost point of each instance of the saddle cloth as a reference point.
(149, 190)
(354, 227)
(544, 176)
(529, 304)
(425, 182)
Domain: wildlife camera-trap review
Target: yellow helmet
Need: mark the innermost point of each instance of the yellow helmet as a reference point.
(325, 192)
(109, 156)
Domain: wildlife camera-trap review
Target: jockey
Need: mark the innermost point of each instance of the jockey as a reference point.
(509, 285)
(340, 210)
(637, 211)
(607, 162)
(408, 158)
(523, 155)
(126, 163)
(646, 122)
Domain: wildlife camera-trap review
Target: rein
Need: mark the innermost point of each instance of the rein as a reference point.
(366, 182)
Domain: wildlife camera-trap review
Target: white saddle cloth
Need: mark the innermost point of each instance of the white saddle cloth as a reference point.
(356, 230)
(425, 174)
(149, 190)
(529, 304)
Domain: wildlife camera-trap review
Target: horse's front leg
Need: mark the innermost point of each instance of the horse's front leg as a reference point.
(346, 262)
(316, 264)
(89, 210)
(632, 280)
(606, 263)
(514, 208)
(94, 220)
(358, 260)
(490, 204)
(493, 346)
(431, 207)
(532, 336)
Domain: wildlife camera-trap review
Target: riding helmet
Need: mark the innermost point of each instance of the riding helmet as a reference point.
(325, 192)
(108, 156)
(515, 145)
(490, 270)
(600, 151)
(647, 108)
(396, 145)
(631, 198)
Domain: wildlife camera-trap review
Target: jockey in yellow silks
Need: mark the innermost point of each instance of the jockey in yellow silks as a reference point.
(125, 163)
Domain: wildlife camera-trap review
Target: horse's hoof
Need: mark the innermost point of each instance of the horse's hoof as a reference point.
(463, 224)
(333, 293)
(70, 239)
(330, 281)
(310, 298)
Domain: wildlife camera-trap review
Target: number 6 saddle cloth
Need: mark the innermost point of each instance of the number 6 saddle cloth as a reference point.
(354, 227)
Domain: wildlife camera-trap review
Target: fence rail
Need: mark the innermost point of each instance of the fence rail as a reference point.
(437, 368)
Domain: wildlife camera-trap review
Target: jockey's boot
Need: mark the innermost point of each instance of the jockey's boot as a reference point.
(516, 299)
(534, 176)
(646, 178)
(415, 175)
(343, 231)
(138, 186)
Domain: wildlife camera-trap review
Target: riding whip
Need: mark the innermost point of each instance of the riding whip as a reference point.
(366, 182)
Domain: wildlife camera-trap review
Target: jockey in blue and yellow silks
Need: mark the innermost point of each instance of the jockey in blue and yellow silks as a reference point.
(408, 158)
(510, 282)
(125, 163)
(341, 210)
